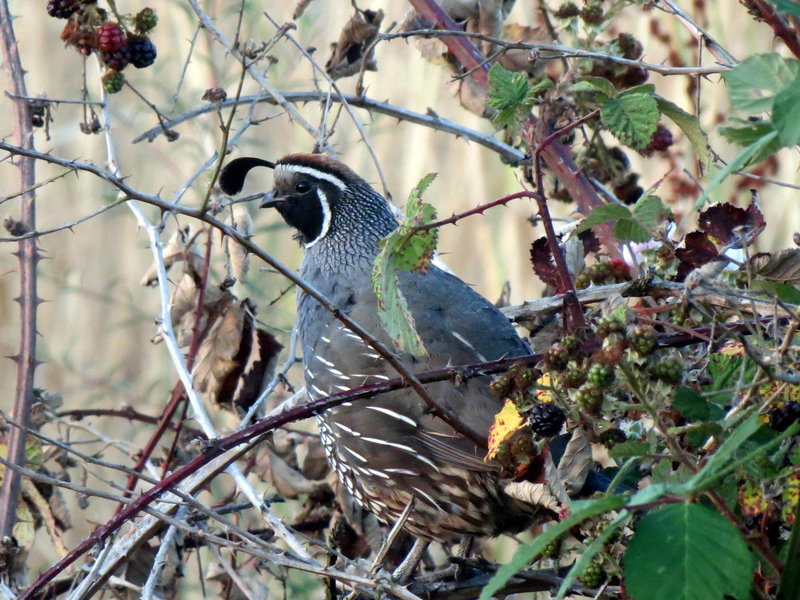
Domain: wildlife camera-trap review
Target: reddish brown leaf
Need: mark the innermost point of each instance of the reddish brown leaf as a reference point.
(347, 55)
(697, 250)
(731, 225)
(543, 264)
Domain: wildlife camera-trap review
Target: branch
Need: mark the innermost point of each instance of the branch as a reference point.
(445, 413)
(28, 299)
(506, 152)
(779, 25)
(558, 52)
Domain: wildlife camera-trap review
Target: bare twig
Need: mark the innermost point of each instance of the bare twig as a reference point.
(506, 152)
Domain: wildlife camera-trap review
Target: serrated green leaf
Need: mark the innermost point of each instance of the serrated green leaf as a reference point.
(629, 230)
(580, 512)
(629, 450)
(645, 88)
(789, 7)
(632, 118)
(598, 85)
(725, 371)
(749, 132)
(690, 127)
(744, 158)
(604, 213)
(507, 89)
(701, 556)
(785, 292)
(754, 83)
(649, 210)
(405, 249)
(786, 113)
(692, 404)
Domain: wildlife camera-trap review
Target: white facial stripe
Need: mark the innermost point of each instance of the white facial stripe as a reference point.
(326, 218)
(332, 179)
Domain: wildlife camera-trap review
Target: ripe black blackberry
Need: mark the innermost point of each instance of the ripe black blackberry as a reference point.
(62, 9)
(141, 52)
(110, 37)
(546, 419)
(782, 417)
(116, 60)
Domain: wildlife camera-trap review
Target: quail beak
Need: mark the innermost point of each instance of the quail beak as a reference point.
(269, 200)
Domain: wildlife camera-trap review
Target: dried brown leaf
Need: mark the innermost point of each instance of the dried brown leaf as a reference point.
(575, 464)
(347, 55)
(783, 266)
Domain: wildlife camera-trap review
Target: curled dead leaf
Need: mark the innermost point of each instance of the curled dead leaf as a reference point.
(347, 55)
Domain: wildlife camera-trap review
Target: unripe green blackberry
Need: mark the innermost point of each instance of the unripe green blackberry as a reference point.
(567, 11)
(500, 385)
(557, 357)
(668, 369)
(582, 281)
(593, 576)
(643, 339)
(113, 82)
(612, 436)
(553, 549)
(609, 324)
(145, 20)
(589, 398)
(600, 375)
(572, 345)
(593, 14)
(573, 378)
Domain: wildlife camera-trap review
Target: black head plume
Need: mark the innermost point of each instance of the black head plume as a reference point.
(231, 180)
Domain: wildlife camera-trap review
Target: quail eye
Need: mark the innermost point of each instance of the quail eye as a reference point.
(302, 187)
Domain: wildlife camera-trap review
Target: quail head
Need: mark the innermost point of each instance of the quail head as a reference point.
(389, 450)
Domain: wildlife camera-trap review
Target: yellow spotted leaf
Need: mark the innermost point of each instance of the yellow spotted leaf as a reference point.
(506, 422)
(543, 385)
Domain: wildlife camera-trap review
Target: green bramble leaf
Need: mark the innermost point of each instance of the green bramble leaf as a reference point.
(405, 249)
(786, 113)
(507, 89)
(597, 85)
(754, 83)
(649, 210)
(632, 118)
(749, 132)
(690, 126)
(788, 7)
(701, 556)
(511, 95)
(580, 511)
(629, 227)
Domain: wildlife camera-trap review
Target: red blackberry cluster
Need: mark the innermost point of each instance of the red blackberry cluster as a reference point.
(604, 273)
(119, 44)
(660, 142)
(567, 11)
(593, 13)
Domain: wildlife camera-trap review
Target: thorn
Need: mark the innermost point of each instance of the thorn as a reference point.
(14, 357)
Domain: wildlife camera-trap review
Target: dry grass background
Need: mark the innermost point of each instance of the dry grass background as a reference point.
(98, 320)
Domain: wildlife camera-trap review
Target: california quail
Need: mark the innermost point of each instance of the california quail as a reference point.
(389, 449)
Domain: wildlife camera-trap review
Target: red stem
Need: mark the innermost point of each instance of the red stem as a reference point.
(28, 257)
(779, 26)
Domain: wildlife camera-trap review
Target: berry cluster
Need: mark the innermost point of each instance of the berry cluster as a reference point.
(604, 273)
(119, 43)
(659, 142)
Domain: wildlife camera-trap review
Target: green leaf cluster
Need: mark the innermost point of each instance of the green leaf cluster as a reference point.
(512, 95)
(765, 83)
(407, 248)
(631, 225)
(632, 114)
